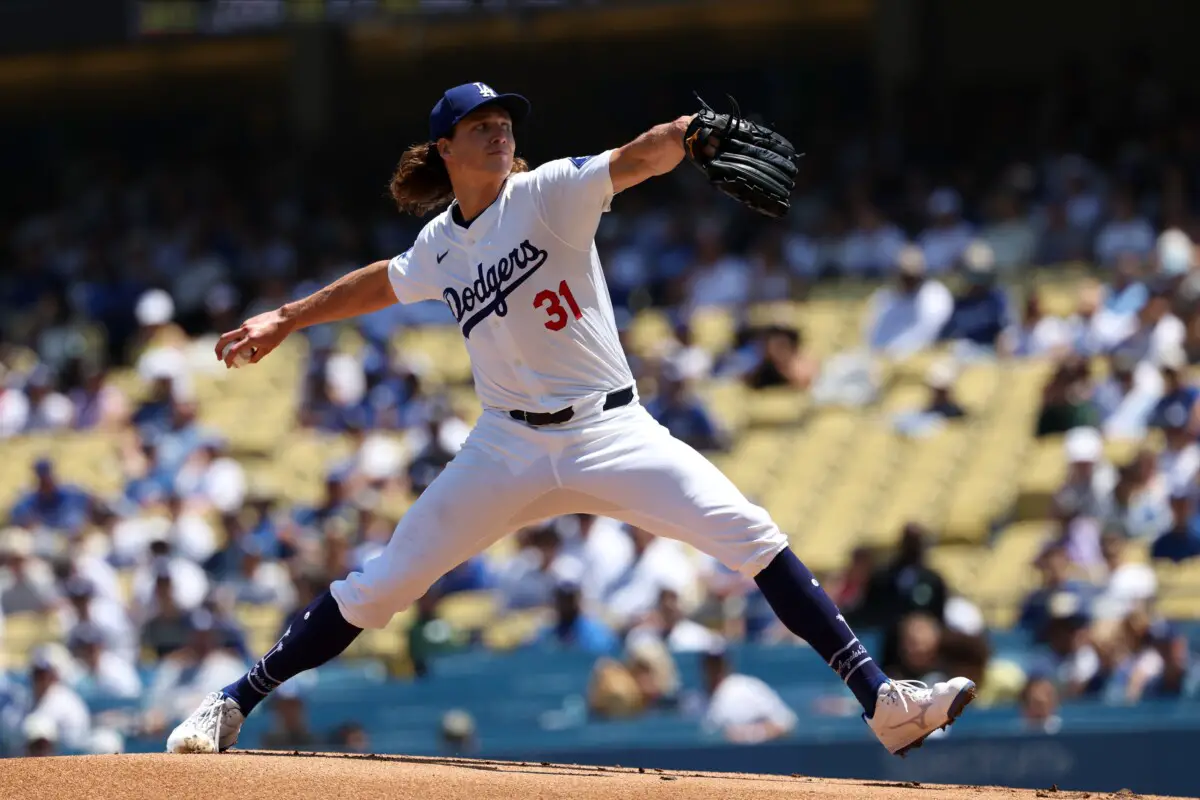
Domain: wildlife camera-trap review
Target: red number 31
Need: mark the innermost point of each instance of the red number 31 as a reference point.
(558, 314)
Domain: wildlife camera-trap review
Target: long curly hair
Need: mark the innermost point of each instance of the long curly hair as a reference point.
(421, 184)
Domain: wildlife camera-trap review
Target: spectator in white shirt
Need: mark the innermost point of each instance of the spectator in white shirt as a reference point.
(259, 581)
(189, 584)
(671, 626)
(1154, 332)
(529, 579)
(1179, 461)
(52, 700)
(657, 563)
(605, 548)
(1128, 585)
(741, 708)
(190, 534)
(26, 582)
(1123, 403)
(210, 479)
(1038, 333)
(1124, 233)
(945, 240)
(85, 608)
(14, 405)
(100, 672)
(907, 318)
(870, 250)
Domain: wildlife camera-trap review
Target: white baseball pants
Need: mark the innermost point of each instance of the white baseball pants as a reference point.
(619, 463)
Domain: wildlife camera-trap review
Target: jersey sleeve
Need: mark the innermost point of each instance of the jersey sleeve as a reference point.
(411, 277)
(571, 194)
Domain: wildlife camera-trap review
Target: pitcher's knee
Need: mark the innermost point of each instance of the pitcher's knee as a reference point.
(747, 541)
(372, 603)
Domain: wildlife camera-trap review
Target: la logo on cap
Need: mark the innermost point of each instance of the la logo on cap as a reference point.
(485, 90)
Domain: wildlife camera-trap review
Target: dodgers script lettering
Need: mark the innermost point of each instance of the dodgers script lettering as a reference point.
(489, 292)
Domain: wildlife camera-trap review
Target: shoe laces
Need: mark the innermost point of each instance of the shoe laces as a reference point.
(210, 713)
(904, 691)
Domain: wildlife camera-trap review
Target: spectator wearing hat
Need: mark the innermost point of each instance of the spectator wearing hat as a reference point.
(679, 410)
(101, 674)
(457, 733)
(941, 406)
(1057, 578)
(940, 379)
(289, 726)
(41, 736)
(982, 311)
(1071, 657)
(908, 317)
(572, 628)
(183, 678)
(1182, 541)
(52, 700)
(53, 505)
(741, 708)
(947, 236)
(1126, 585)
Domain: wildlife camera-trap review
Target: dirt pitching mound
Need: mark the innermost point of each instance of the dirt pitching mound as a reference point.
(300, 776)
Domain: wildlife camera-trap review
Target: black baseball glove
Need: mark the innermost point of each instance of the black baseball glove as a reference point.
(752, 164)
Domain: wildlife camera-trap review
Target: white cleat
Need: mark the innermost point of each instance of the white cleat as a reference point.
(908, 712)
(212, 728)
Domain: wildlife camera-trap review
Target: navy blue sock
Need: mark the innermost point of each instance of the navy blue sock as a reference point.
(315, 636)
(802, 605)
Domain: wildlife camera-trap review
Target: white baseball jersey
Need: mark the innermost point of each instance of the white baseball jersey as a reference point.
(525, 283)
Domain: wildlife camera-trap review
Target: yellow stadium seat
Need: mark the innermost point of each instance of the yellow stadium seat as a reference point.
(468, 611)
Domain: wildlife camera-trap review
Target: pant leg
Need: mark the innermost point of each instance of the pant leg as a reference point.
(664, 486)
(466, 509)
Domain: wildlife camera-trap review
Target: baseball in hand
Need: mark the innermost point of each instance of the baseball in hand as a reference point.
(243, 356)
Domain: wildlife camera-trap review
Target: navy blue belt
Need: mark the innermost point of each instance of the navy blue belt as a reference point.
(621, 397)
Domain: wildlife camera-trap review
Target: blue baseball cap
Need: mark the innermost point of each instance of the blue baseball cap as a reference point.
(460, 101)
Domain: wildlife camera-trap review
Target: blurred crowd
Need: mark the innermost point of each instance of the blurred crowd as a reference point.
(140, 263)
